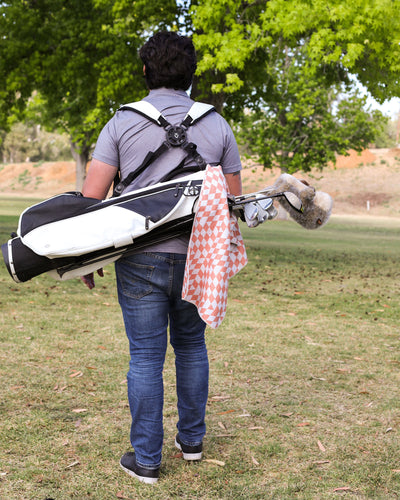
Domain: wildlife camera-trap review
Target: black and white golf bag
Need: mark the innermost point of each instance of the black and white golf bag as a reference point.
(70, 235)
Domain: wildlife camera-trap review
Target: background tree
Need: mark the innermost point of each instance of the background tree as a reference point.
(305, 120)
(286, 62)
(81, 57)
(78, 59)
(238, 39)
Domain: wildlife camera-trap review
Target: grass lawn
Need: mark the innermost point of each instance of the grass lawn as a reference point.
(304, 391)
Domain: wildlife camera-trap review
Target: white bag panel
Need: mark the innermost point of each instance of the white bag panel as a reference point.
(113, 226)
(85, 233)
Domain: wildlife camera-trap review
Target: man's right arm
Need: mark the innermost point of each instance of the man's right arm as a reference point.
(97, 184)
(234, 182)
(98, 179)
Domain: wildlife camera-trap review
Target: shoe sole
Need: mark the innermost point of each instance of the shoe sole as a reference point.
(142, 479)
(188, 456)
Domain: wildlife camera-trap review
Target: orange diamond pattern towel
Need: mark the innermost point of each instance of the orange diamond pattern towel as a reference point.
(216, 250)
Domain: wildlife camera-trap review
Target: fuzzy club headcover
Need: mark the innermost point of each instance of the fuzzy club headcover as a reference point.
(316, 206)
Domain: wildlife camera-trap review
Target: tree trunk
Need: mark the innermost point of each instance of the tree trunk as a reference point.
(81, 157)
(217, 100)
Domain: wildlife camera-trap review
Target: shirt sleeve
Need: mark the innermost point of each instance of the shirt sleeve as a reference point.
(106, 149)
(230, 161)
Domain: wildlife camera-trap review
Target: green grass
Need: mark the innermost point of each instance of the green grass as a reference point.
(14, 206)
(304, 390)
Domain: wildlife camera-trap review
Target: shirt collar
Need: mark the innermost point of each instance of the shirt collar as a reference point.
(169, 92)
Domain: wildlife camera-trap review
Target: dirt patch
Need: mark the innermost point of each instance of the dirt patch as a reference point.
(366, 184)
(355, 159)
(37, 179)
(369, 199)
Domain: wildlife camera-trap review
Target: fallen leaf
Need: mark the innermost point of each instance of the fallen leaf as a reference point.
(389, 429)
(286, 415)
(79, 410)
(321, 446)
(254, 461)
(121, 495)
(73, 464)
(343, 488)
(255, 428)
(222, 426)
(321, 462)
(303, 424)
(76, 374)
(225, 412)
(216, 462)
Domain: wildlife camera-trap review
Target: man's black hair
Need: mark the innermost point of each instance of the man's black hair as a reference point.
(170, 61)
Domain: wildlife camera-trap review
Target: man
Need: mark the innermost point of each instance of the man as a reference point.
(150, 282)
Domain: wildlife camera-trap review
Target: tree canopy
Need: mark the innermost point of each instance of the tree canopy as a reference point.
(78, 60)
(239, 39)
(81, 58)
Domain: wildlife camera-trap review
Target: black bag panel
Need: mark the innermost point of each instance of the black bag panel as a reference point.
(23, 264)
(154, 207)
(57, 208)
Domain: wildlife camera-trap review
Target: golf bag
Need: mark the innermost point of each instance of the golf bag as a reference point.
(92, 233)
(71, 235)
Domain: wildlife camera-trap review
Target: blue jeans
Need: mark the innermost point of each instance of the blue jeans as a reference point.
(149, 293)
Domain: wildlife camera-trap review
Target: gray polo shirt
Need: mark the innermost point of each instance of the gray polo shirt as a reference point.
(128, 137)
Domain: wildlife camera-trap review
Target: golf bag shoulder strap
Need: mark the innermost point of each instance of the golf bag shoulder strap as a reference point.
(147, 110)
(144, 108)
(175, 137)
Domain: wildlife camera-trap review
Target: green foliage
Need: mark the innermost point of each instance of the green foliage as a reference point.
(358, 37)
(386, 138)
(305, 122)
(81, 56)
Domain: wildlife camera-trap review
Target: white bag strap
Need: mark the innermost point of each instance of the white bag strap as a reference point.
(144, 108)
(196, 112)
(175, 137)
